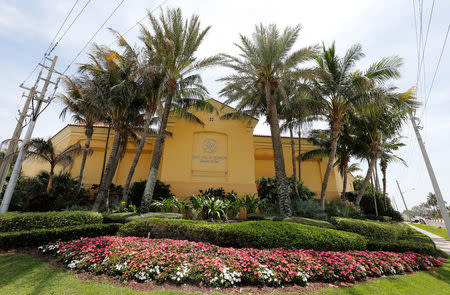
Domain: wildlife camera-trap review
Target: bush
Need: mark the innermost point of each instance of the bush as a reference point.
(252, 234)
(12, 222)
(267, 190)
(43, 236)
(30, 193)
(129, 216)
(369, 228)
(309, 221)
(309, 209)
(161, 192)
(341, 209)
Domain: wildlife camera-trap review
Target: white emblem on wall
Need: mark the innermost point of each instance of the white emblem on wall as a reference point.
(209, 145)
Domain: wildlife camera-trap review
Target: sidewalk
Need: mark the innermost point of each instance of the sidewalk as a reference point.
(440, 242)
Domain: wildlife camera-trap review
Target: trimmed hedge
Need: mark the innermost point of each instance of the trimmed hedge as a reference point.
(43, 236)
(370, 228)
(309, 221)
(130, 216)
(413, 242)
(15, 222)
(251, 234)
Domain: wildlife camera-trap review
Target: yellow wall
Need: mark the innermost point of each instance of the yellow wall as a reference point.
(222, 153)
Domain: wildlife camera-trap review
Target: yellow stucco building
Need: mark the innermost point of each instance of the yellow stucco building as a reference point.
(222, 153)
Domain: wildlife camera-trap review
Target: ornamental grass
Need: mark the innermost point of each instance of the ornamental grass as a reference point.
(166, 260)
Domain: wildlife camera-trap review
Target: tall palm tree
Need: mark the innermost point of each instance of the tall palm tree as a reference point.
(338, 88)
(388, 146)
(39, 148)
(85, 110)
(175, 42)
(382, 116)
(116, 80)
(264, 63)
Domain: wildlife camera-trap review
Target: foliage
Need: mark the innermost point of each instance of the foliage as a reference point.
(13, 221)
(189, 262)
(440, 231)
(123, 207)
(218, 193)
(109, 217)
(30, 193)
(267, 190)
(162, 192)
(370, 228)
(309, 221)
(341, 209)
(45, 235)
(254, 234)
(309, 208)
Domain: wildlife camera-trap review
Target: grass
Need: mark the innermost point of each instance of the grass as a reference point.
(23, 274)
(442, 232)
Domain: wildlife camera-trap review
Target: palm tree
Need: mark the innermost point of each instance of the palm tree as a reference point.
(338, 89)
(39, 148)
(382, 116)
(263, 65)
(85, 110)
(116, 80)
(175, 42)
(388, 146)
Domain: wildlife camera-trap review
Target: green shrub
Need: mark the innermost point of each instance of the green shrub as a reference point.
(12, 222)
(341, 209)
(161, 192)
(43, 236)
(130, 216)
(267, 190)
(309, 209)
(309, 221)
(370, 228)
(414, 241)
(253, 234)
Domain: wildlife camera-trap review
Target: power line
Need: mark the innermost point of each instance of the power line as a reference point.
(68, 28)
(132, 27)
(54, 38)
(93, 36)
(437, 66)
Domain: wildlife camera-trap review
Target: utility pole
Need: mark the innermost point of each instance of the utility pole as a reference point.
(434, 182)
(14, 141)
(403, 198)
(35, 112)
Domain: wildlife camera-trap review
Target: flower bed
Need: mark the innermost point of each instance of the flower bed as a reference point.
(141, 259)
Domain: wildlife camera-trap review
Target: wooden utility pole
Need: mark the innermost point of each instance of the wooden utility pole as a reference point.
(5, 165)
(35, 112)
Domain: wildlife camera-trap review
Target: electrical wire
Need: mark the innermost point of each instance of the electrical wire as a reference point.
(68, 28)
(54, 38)
(93, 36)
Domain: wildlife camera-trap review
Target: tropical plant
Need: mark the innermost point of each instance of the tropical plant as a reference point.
(382, 116)
(166, 205)
(39, 148)
(86, 110)
(116, 80)
(339, 89)
(174, 43)
(263, 65)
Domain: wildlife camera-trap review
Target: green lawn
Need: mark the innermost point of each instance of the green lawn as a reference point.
(442, 232)
(23, 274)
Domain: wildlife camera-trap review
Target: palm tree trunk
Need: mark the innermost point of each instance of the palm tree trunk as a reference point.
(136, 157)
(344, 186)
(383, 171)
(365, 183)
(299, 153)
(89, 132)
(294, 164)
(373, 193)
(109, 172)
(377, 180)
(50, 178)
(280, 172)
(105, 153)
(335, 138)
(157, 153)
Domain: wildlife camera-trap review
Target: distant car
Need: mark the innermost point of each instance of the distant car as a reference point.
(418, 219)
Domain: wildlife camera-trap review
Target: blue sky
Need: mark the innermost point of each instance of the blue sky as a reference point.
(383, 28)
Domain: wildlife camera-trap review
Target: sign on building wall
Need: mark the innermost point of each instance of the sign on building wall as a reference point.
(210, 154)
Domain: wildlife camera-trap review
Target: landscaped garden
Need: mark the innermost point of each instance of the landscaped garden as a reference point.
(440, 231)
